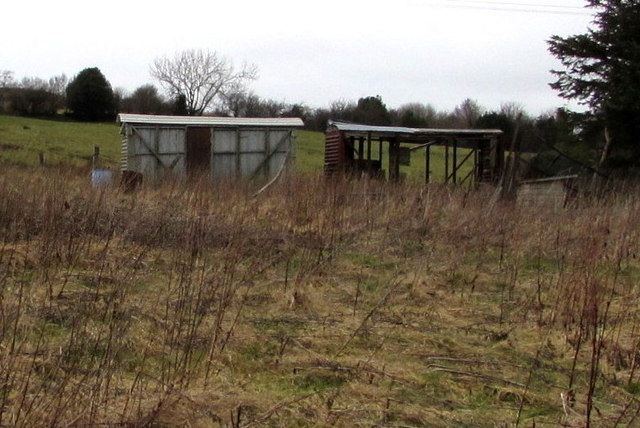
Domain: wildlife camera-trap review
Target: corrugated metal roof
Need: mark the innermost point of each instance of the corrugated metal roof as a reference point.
(356, 127)
(124, 118)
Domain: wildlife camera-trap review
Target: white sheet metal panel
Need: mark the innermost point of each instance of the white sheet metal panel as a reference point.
(124, 118)
(255, 158)
(147, 165)
(252, 141)
(160, 140)
(249, 163)
(172, 140)
(275, 163)
(223, 165)
(277, 137)
(143, 140)
(150, 150)
(224, 141)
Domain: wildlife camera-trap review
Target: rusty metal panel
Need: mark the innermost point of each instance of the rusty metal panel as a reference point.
(334, 152)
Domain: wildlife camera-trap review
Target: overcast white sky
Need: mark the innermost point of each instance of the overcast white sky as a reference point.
(429, 51)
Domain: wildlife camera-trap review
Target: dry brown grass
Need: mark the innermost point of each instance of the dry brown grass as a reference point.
(316, 303)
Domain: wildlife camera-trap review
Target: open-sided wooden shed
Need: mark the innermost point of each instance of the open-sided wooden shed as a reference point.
(222, 147)
(352, 148)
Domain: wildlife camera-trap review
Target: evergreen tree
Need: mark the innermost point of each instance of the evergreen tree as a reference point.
(602, 71)
(371, 111)
(90, 97)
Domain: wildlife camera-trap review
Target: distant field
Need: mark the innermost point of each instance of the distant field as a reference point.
(71, 144)
(62, 143)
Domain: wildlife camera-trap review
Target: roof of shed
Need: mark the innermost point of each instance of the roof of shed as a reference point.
(400, 130)
(148, 119)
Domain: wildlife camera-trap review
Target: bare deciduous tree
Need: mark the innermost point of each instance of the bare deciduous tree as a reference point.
(512, 110)
(467, 113)
(6, 78)
(58, 84)
(201, 77)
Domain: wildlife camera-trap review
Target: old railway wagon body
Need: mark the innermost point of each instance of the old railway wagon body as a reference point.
(222, 147)
(470, 155)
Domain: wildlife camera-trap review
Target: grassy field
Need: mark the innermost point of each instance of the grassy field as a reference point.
(66, 144)
(314, 304)
(70, 144)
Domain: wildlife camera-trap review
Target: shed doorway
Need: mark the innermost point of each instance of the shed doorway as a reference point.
(198, 150)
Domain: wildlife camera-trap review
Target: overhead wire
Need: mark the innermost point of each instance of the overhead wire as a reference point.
(514, 3)
(511, 6)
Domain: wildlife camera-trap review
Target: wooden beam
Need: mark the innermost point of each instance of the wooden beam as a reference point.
(422, 146)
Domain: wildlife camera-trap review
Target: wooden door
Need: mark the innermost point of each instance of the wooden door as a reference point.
(198, 148)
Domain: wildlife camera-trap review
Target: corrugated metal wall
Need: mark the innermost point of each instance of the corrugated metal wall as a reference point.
(334, 152)
(235, 152)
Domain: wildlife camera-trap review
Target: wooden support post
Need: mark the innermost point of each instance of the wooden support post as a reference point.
(394, 160)
(369, 154)
(455, 160)
(427, 164)
(446, 162)
(351, 151)
(476, 178)
(361, 148)
(41, 159)
(509, 177)
(95, 160)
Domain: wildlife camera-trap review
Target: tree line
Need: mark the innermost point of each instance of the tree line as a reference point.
(90, 97)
